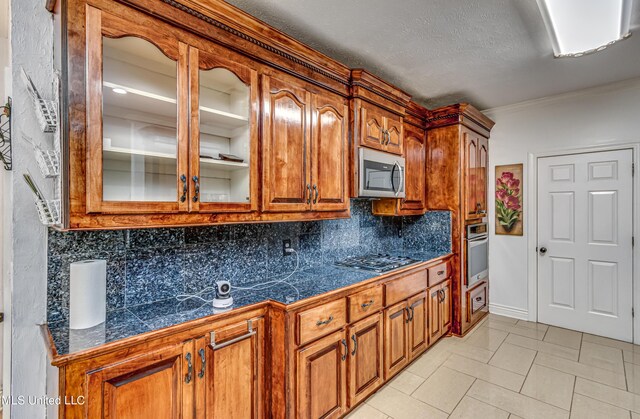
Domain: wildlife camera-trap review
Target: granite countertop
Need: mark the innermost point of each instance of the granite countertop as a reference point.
(124, 323)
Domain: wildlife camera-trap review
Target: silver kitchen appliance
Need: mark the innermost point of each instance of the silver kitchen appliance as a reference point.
(477, 241)
(381, 175)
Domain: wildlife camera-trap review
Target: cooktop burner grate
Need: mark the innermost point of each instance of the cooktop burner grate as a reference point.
(377, 263)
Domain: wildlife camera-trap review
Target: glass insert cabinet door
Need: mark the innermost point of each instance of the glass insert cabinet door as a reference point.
(137, 117)
(170, 127)
(223, 132)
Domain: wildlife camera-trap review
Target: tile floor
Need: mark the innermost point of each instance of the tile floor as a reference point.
(508, 368)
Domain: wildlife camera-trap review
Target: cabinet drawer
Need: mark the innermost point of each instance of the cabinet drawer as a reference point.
(402, 288)
(477, 302)
(364, 303)
(321, 320)
(439, 273)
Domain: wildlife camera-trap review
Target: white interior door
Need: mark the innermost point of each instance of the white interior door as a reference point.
(585, 207)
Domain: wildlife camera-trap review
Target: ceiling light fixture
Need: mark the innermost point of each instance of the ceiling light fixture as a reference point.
(580, 27)
(119, 91)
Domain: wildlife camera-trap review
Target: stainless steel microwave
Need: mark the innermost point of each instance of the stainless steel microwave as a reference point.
(381, 175)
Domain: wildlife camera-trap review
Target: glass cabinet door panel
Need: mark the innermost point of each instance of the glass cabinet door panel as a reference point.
(225, 137)
(139, 129)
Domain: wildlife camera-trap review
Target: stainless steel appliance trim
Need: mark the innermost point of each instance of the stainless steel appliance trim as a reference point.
(479, 240)
(381, 157)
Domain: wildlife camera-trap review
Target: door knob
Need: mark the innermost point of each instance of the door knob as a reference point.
(543, 250)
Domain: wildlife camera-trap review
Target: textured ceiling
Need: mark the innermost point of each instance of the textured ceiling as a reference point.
(490, 52)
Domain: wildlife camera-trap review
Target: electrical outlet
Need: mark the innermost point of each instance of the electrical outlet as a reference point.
(286, 245)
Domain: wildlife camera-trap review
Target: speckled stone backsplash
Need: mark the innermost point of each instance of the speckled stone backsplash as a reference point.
(150, 265)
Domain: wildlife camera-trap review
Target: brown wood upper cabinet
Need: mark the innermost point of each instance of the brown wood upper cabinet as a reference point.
(415, 150)
(475, 174)
(380, 129)
(162, 114)
(304, 148)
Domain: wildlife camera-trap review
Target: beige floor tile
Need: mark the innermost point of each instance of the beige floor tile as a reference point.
(503, 319)
(364, 411)
(631, 356)
(513, 358)
(600, 340)
(584, 407)
(487, 338)
(470, 351)
(600, 356)
(564, 337)
(406, 382)
(513, 402)
(398, 405)
(607, 394)
(518, 330)
(444, 389)
(632, 372)
(514, 417)
(532, 325)
(542, 346)
(428, 363)
(550, 386)
(635, 415)
(582, 370)
(470, 408)
(485, 372)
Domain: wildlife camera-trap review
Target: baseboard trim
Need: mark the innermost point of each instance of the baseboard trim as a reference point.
(507, 311)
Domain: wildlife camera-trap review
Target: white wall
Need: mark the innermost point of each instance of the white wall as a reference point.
(26, 254)
(600, 116)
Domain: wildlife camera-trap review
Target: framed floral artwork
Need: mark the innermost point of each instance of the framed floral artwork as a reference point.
(508, 197)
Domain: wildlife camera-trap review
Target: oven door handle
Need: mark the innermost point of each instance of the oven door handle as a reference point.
(474, 243)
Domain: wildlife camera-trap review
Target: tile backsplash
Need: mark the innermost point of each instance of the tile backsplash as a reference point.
(148, 265)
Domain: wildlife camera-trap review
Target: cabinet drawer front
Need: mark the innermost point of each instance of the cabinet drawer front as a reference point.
(364, 303)
(405, 287)
(438, 273)
(321, 320)
(477, 302)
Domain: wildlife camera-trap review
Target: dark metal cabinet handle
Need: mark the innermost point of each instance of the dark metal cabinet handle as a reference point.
(440, 273)
(203, 360)
(478, 298)
(308, 193)
(366, 305)
(346, 349)
(412, 314)
(183, 179)
(196, 181)
(315, 198)
(187, 378)
(323, 322)
(408, 315)
(355, 344)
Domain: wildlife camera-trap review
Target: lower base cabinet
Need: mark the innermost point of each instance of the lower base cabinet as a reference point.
(439, 312)
(322, 377)
(152, 385)
(231, 375)
(418, 336)
(396, 339)
(365, 359)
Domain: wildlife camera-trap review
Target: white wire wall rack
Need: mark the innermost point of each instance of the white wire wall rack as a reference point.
(6, 154)
(46, 110)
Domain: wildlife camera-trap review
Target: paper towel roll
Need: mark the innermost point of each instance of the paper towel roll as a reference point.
(88, 293)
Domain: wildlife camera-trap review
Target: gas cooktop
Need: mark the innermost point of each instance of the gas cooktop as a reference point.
(377, 263)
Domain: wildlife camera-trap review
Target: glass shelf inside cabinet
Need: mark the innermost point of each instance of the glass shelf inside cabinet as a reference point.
(139, 122)
(224, 138)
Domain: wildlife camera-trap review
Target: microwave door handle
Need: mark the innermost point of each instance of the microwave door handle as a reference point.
(393, 185)
(400, 188)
